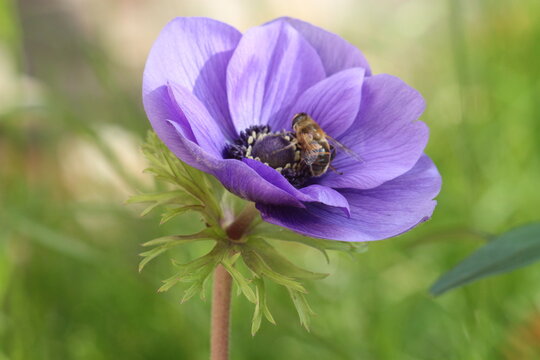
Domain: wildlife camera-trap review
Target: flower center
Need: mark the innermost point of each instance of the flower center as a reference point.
(275, 149)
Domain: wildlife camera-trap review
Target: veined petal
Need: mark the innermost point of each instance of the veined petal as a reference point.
(236, 176)
(204, 128)
(309, 194)
(385, 135)
(333, 102)
(336, 53)
(386, 211)
(271, 66)
(194, 53)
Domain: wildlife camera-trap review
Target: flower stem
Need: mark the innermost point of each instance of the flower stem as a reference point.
(221, 303)
(237, 229)
(221, 296)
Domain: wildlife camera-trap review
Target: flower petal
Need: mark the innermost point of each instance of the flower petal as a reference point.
(333, 102)
(386, 211)
(236, 176)
(336, 53)
(271, 66)
(385, 136)
(204, 128)
(194, 53)
(313, 193)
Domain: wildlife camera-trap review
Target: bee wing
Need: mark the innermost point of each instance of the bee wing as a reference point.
(345, 149)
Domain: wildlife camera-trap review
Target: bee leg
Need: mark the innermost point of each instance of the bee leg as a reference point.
(332, 152)
(335, 170)
(291, 145)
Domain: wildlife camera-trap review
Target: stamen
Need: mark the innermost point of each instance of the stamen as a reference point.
(278, 150)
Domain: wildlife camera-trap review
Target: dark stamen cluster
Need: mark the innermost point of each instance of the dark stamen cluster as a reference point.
(278, 150)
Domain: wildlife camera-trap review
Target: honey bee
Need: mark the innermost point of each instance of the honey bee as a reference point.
(317, 149)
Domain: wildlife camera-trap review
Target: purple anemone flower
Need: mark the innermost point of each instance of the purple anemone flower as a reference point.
(223, 102)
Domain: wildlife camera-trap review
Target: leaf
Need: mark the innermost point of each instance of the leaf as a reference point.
(196, 271)
(205, 234)
(174, 212)
(514, 249)
(149, 255)
(302, 307)
(254, 261)
(261, 307)
(272, 232)
(168, 242)
(279, 263)
(154, 197)
(240, 281)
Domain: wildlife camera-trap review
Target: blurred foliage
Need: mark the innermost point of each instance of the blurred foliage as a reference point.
(71, 122)
(512, 250)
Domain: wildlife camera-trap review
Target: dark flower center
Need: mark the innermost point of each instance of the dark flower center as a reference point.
(275, 149)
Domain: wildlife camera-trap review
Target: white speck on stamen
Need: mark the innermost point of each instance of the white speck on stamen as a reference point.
(279, 169)
(250, 140)
(248, 151)
(288, 165)
(297, 156)
(254, 134)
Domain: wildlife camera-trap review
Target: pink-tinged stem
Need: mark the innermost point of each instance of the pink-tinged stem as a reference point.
(221, 303)
(221, 297)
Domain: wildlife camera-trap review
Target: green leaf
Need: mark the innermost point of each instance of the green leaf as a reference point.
(302, 307)
(168, 242)
(241, 281)
(272, 232)
(516, 248)
(254, 261)
(196, 272)
(149, 256)
(279, 263)
(261, 308)
(174, 212)
(155, 197)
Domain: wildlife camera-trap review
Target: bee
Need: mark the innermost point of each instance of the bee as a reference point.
(317, 149)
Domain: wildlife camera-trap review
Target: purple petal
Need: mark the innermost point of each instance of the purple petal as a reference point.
(271, 66)
(386, 211)
(384, 135)
(335, 53)
(236, 176)
(313, 193)
(204, 128)
(194, 53)
(333, 102)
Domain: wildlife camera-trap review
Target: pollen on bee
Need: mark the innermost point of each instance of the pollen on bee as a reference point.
(297, 155)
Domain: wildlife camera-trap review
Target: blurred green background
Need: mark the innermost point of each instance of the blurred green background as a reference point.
(71, 123)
